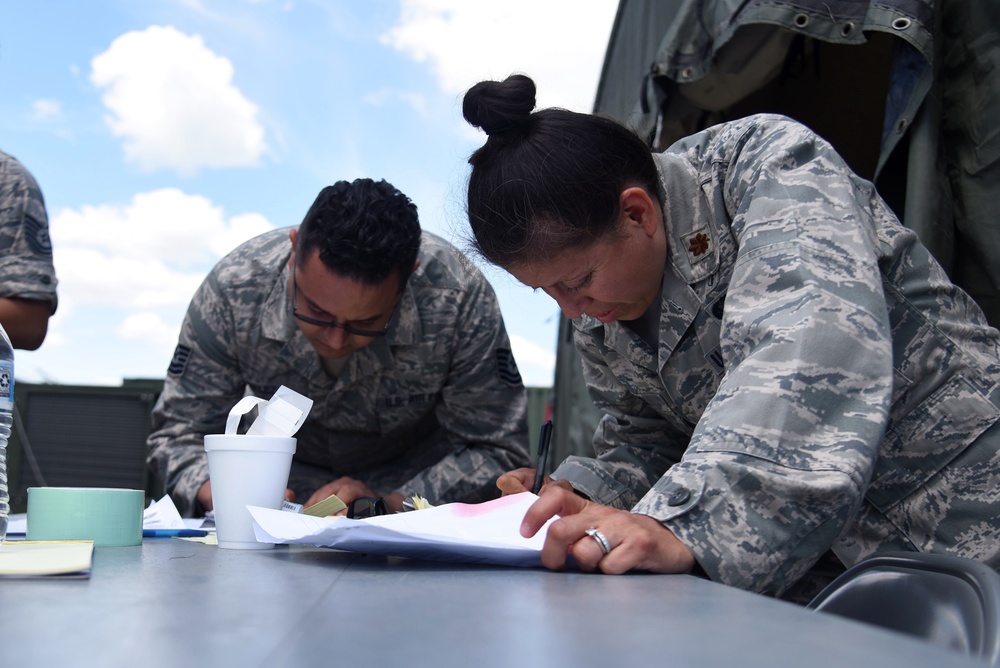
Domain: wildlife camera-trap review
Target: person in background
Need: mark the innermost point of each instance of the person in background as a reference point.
(785, 373)
(395, 336)
(27, 275)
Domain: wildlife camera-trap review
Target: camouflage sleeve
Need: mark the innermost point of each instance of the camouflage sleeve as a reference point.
(779, 462)
(483, 407)
(202, 385)
(26, 268)
(634, 444)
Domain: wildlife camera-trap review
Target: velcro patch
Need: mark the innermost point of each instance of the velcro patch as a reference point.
(420, 399)
(507, 368)
(719, 307)
(38, 236)
(714, 358)
(179, 361)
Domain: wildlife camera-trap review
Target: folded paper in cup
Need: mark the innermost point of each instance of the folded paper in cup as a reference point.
(281, 416)
(252, 469)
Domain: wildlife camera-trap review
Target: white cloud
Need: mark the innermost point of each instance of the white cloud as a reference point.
(417, 102)
(56, 336)
(173, 102)
(385, 96)
(153, 251)
(46, 110)
(89, 277)
(237, 230)
(558, 44)
(166, 224)
(537, 364)
(149, 328)
(126, 274)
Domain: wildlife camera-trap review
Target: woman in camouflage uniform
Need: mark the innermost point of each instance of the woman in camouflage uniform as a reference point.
(783, 368)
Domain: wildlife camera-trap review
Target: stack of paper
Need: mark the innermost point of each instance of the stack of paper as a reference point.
(476, 533)
(46, 559)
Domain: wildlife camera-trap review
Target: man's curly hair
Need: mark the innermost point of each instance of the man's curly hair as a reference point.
(364, 230)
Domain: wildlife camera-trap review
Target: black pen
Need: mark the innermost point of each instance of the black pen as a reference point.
(543, 454)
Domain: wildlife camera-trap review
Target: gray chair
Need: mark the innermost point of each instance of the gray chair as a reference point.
(947, 600)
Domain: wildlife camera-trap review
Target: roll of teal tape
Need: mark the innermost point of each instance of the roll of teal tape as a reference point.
(109, 517)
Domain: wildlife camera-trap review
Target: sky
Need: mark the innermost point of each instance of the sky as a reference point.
(164, 133)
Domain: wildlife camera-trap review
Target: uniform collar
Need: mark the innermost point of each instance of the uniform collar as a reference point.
(405, 328)
(691, 256)
(678, 306)
(692, 248)
(277, 321)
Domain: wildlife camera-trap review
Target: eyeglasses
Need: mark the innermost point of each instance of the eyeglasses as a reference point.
(347, 327)
(366, 506)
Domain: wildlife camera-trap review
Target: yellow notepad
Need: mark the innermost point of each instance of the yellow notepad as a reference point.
(331, 505)
(46, 558)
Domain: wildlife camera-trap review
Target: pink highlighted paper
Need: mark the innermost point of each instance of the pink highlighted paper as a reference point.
(472, 533)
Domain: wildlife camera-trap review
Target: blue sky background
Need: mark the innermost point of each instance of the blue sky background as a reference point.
(165, 132)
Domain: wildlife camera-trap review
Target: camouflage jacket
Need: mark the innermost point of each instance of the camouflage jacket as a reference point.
(26, 269)
(435, 408)
(819, 383)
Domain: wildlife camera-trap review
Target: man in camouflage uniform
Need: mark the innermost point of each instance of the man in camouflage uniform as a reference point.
(27, 276)
(415, 389)
(810, 380)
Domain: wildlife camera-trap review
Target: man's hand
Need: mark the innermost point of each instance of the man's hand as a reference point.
(521, 480)
(347, 489)
(204, 495)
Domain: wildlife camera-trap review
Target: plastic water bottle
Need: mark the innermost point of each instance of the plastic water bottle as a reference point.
(6, 420)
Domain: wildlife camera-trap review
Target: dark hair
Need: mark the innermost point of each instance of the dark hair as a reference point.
(364, 230)
(546, 181)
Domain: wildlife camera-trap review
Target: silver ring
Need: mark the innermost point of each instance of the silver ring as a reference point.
(601, 539)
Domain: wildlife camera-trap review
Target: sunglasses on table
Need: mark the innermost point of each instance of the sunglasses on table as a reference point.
(366, 506)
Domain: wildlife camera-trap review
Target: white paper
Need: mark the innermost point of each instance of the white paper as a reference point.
(241, 408)
(163, 514)
(17, 524)
(283, 414)
(475, 533)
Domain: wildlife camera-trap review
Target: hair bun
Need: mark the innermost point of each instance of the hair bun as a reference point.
(500, 106)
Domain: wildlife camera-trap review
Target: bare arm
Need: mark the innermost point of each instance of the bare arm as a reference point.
(26, 321)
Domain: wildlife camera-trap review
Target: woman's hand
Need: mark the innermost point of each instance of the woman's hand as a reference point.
(637, 542)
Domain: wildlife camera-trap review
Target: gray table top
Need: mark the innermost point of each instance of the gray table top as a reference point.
(177, 603)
